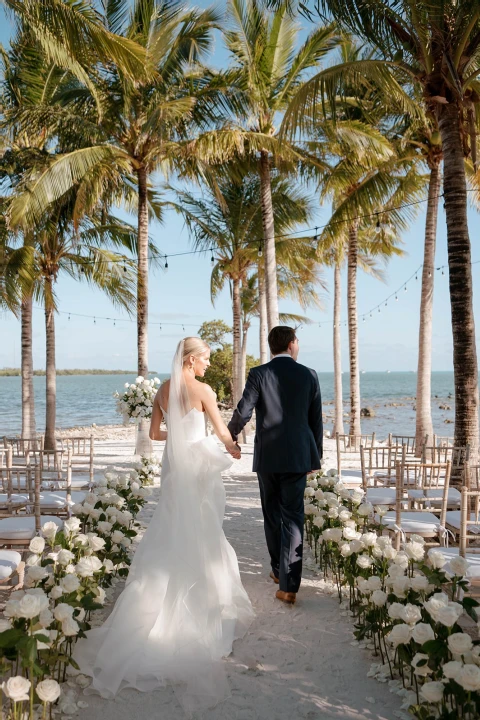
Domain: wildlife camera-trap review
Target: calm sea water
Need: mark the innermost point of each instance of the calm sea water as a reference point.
(87, 399)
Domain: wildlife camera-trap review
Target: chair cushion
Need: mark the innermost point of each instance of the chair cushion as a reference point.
(78, 482)
(9, 561)
(453, 519)
(435, 496)
(351, 477)
(414, 522)
(59, 499)
(381, 495)
(15, 499)
(23, 528)
(472, 558)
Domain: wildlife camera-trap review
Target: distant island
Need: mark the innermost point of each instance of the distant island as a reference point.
(15, 372)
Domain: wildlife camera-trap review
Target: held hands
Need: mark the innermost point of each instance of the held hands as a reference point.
(234, 449)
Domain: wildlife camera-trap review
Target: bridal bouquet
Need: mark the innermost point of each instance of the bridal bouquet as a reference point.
(136, 402)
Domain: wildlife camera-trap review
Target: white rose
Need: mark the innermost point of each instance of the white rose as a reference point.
(379, 598)
(117, 536)
(400, 586)
(319, 521)
(419, 583)
(350, 533)
(389, 552)
(104, 527)
(126, 542)
(78, 509)
(432, 692)
(70, 583)
(437, 559)
(72, 525)
(46, 617)
(475, 654)
(435, 603)
(459, 643)
(377, 551)
(401, 559)
(459, 566)
(374, 583)
(364, 561)
(356, 545)
(309, 492)
(36, 573)
(80, 539)
(383, 541)
(100, 595)
(415, 551)
(34, 560)
(448, 615)
(70, 627)
(17, 688)
(49, 530)
(65, 556)
(411, 614)
(469, 677)
(345, 550)
(369, 539)
(395, 572)
(56, 592)
(5, 625)
(399, 635)
(381, 510)
(357, 496)
(108, 566)
(48, 691)
(308, 510)
(333, 534)
(37, 545)
(395, 611)
(422, 670)
(95, 542)
(29, 606)
(365, 509)
(422, 633)
(344, 515)
(87, 566)
(452, 669)
(333, 513)
(62, 612)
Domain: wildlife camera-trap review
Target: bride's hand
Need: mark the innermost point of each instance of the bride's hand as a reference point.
(234, 449)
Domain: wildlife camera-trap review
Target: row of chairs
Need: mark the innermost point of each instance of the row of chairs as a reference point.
(38, 486)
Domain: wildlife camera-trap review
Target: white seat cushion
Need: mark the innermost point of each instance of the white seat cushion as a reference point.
(351, 477)
(453, 519)
(435, 496)
(381, 495)
(59, 499)
(15, 499)
(23, 528)
(9, 561)
(78, 482)
(472, 559)
(413, 522)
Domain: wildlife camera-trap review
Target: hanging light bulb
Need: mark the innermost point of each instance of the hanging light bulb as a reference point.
(396, 298)
(429, 274)
(183, 328)
(363, 319)
(114, 323)
(378, 227)
(315, 237)
(416, 276)
(371, 315)
(212, 260)
(260, 251)
(160, 326)
(378, 309)
(443, 271)
(69, 316)
(405, 288)
(94, 321)
(166, 263)
(385, 303)
(124, 268)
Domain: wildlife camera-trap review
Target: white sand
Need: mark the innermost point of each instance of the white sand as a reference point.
(295, 662)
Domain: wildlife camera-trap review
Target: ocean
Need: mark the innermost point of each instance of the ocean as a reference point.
(86, 399)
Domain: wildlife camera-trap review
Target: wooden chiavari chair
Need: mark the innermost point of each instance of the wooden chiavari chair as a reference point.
(349, 447)
(83, 453)
(410, 442)
(378, 468)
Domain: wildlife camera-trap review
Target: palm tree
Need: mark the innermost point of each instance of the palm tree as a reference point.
(269, 68)
(77, 250)
(227, 220)
(434, 46)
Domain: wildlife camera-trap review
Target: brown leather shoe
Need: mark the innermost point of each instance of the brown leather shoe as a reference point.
(286, 597)
(275, 579)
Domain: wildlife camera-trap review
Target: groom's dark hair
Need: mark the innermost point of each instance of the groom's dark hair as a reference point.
(279, 338)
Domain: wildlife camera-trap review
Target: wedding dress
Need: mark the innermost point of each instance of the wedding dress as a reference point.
(183, 604)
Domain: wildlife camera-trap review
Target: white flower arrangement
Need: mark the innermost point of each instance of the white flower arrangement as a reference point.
(136, 401)
(147, 470)
(405, 603)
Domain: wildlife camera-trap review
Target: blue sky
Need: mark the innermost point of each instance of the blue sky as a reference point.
(388, 341)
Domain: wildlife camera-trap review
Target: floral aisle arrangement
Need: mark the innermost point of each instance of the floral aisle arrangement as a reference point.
(67, 573)
(136, 402)
(147, 470)
(406, 604)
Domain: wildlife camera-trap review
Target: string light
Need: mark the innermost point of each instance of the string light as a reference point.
(69, 316)
(212, 261)
(260, 251)
(405, 288)
(94, 321)
(166, 264)
(315, 237)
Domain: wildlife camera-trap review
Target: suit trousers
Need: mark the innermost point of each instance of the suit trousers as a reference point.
(283, 514)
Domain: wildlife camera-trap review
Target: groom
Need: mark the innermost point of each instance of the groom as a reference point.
(288, 445)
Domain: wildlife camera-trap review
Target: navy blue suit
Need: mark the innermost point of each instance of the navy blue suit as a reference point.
(288, 444)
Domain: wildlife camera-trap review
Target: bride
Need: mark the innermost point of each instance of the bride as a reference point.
(183, 604)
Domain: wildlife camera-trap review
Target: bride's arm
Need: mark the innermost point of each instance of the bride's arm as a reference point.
(209, 400)
(157, 417)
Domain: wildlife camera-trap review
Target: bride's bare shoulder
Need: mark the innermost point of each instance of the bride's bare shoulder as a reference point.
(204, 390)
(163, 392)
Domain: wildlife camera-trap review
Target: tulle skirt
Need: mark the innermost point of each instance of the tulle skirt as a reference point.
(183, 604)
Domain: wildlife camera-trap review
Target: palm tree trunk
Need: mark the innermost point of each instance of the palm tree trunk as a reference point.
(142, 297)
(237, 321)
(424, 425)
(262, 309)
(269, 241)
(28, 397)
(460, 272)
(243, 361)
(337, 352)
(50, 368)
(355, 428)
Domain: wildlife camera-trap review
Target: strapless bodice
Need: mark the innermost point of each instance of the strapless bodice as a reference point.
(194, 423)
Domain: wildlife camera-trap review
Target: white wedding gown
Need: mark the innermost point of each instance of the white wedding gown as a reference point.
(183, 604)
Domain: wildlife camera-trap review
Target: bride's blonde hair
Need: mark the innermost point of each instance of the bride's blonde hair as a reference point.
(194, 346)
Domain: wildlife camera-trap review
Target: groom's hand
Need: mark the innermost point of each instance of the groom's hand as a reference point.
(234, 450)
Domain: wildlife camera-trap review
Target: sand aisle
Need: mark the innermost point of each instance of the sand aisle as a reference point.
(293, 663)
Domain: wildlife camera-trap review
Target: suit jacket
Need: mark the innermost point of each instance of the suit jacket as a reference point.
(288, 406)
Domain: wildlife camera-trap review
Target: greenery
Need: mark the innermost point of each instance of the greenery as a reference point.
(219, 374)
